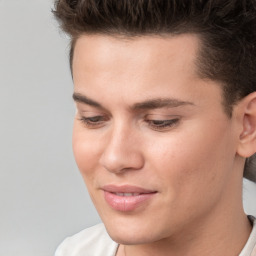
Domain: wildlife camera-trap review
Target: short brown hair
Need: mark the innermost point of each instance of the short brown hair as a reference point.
(227, 29)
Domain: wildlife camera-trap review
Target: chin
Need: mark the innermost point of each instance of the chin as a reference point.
(130, 238)
(132, 231)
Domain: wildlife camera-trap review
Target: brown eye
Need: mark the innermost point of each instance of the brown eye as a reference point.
(94, 119)
(162, 124)
(93, 122)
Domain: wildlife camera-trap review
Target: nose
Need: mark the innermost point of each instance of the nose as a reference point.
(122, 151)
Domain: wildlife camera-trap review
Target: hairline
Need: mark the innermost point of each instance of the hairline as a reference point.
(199, 60)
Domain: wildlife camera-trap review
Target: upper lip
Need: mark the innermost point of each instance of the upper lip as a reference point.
(126, 189)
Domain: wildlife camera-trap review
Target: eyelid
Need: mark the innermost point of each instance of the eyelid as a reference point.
(93, 122)
(92, 119)
(162, 123)
(161, 116)
(89, 113)
(85, 108)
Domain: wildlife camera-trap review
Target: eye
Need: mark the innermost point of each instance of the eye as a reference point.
(93, 121)
(162, 125)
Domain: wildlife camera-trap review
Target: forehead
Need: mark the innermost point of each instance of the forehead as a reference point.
(118, 71)
(136, 53)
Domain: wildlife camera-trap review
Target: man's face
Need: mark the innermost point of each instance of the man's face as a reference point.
(148, 126)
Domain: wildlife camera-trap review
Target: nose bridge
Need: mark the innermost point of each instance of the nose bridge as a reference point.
(121, 150)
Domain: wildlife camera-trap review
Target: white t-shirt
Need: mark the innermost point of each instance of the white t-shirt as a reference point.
(95, 241)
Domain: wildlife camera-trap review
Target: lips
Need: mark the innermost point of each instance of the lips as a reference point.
(127, 194)
(126, 198)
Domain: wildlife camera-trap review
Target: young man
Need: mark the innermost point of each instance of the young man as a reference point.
(166, 118)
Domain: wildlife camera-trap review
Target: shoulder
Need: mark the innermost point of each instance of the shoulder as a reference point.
(250, 247)
(92, 241)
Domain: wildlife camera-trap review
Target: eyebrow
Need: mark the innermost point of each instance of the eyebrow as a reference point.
(161, 103)
(78, 97)
(147, 104)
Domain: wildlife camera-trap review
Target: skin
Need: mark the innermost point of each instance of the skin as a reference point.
(195, 163)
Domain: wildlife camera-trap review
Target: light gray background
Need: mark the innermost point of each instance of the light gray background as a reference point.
(42, 196)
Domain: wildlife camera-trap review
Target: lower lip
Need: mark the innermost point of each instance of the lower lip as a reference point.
(126, 203)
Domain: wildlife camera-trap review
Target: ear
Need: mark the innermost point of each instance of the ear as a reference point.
(247, 138)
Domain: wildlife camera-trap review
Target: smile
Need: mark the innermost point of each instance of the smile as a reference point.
(126, 198)
(127, 194)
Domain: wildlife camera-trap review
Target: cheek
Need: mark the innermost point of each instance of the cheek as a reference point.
(191, 162)
(86, 151)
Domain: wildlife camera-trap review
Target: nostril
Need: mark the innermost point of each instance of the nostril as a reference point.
(122, 161)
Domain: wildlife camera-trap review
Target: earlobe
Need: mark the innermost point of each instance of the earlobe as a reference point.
(247, 138)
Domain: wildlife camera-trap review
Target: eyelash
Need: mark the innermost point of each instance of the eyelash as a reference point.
(158, 125)
(92, 122)
(162, 124)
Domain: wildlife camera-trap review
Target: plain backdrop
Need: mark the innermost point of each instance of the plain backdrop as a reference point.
(42, 196)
